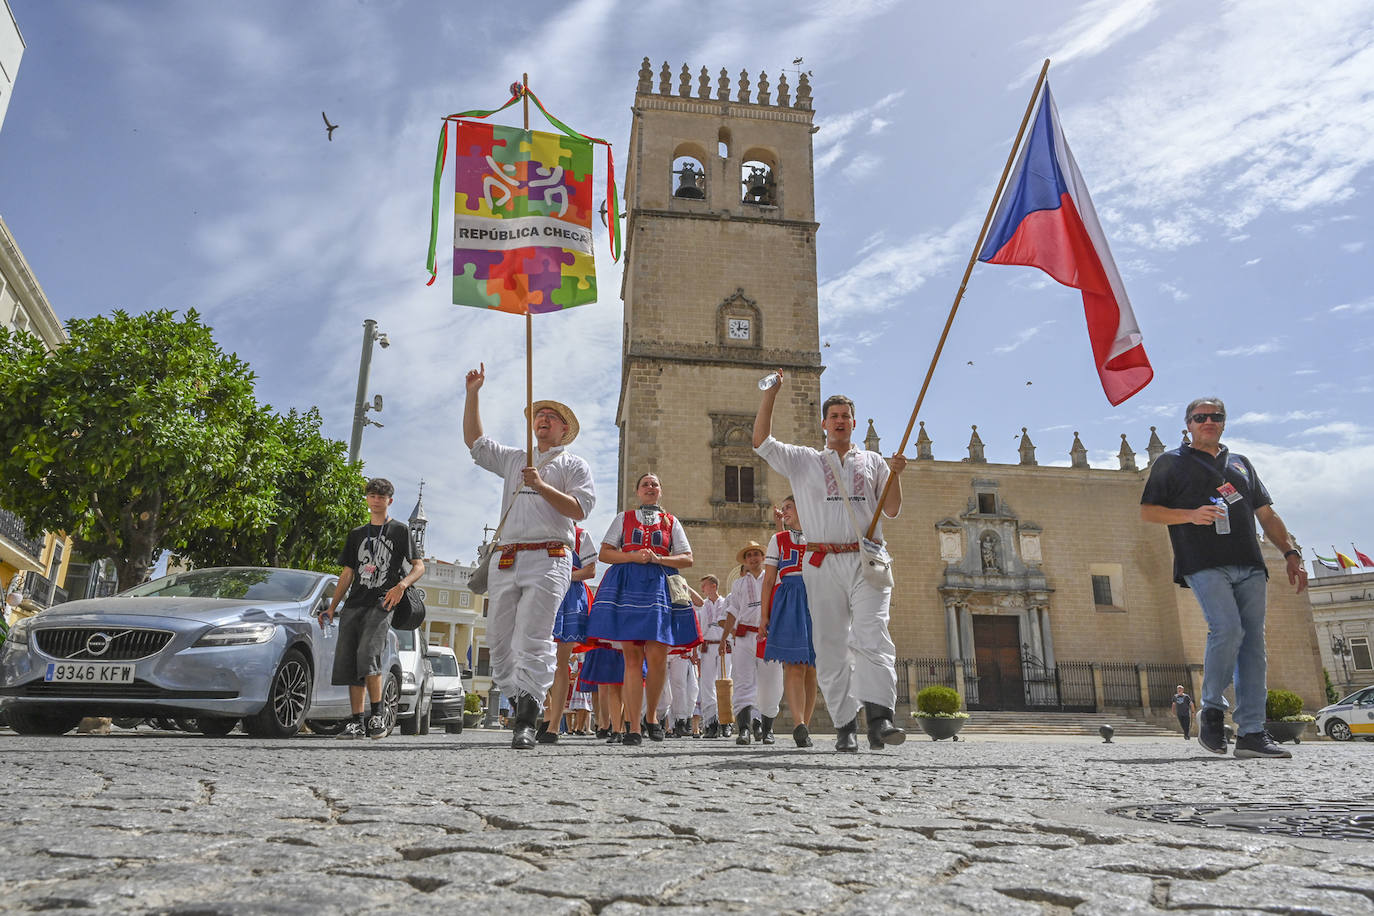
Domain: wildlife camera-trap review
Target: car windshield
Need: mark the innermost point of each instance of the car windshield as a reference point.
(235, 582)
(444, 665)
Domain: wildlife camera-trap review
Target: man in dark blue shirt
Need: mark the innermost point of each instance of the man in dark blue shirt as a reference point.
(1212, 499)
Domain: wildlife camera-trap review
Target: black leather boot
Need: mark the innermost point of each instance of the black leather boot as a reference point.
(847, 737)
(712, 730)
(766, 726)
(882, 731)
(526, 722)
(743, 735)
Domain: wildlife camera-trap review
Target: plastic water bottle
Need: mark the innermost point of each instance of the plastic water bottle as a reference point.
(769, 380)
(1223, 524)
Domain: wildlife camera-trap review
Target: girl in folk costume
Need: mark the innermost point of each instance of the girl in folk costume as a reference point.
(633, 608)
(569, 629)
(603, 668)
(580, 705)
(786, 621)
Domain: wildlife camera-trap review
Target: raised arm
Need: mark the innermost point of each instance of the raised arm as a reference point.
(472, 420)
(763, 421)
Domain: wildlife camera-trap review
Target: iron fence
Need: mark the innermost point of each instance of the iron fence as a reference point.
(13, 527)
(1120, 684)
(1040, 684)
(1076, 691)
(1163, 680)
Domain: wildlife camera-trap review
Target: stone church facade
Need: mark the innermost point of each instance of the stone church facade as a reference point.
(1022, 586)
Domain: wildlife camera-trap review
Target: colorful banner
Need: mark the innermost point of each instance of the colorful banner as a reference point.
(522, 222)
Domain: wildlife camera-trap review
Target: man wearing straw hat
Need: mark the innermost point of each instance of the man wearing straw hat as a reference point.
(539, 504)
(856, 660)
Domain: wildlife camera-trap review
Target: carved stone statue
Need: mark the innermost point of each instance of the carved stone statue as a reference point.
(988, 546)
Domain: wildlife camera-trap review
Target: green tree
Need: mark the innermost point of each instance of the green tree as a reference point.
(318, 498)
(134, 433)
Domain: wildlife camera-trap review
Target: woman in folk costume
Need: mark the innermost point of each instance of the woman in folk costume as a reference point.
(785, 623)
(632, 606)
(569, 629)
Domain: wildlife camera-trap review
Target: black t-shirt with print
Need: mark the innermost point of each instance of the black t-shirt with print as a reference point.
(378, 556)
(1185, 478)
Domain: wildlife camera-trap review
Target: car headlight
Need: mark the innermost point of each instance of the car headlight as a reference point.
(408, 679)
(239, 634)
(19, 633)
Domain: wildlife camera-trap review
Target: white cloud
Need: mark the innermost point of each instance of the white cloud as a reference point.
(1096, 26)
(1255, 416)
(895, 269)
(1201, 120)
(1354, 308)
(877, 125)
(1343, 428)
(1269, 346)
(1252, 262)
(1178, 294)
(1352, 247)
(829, 144)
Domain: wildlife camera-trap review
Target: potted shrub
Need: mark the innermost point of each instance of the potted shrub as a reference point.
(1284, 716)
(472, 711)
(937, 709)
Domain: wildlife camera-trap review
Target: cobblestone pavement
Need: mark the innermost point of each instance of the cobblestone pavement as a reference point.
(158, 822)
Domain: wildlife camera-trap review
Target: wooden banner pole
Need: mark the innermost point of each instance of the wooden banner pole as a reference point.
(963, 284)
(529, 319)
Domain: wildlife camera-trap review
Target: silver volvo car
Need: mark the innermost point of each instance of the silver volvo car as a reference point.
(219, 645)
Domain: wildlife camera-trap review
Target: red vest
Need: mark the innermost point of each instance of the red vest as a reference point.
(790, 555)
(639, 536)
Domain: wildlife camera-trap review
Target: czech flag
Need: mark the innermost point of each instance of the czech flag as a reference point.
(1046, 220)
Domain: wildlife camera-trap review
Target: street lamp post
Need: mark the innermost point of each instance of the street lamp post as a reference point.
(361, 405)
(1341, 649)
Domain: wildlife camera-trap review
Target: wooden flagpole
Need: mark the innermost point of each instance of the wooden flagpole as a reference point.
(963, 284)
(529, 319)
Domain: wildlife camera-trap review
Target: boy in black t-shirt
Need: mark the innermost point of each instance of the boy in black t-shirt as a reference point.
(372, 559)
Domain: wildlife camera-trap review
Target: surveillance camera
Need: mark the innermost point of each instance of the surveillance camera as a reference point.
(377, 402)
(383, 341)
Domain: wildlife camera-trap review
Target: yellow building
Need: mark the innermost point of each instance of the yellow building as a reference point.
(32, 564)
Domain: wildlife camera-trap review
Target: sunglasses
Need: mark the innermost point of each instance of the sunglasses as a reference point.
(1204, 417)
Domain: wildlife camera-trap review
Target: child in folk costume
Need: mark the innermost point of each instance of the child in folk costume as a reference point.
(633, 608)
(604, 669)
(682, 680)
(713, 653)
(580, 705)
(755, 682)
(786, 621)
(569, 629)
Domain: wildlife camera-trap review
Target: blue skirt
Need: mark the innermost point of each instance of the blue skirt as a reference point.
(789, 624)
(603, 666)
(632, 605)
(570, 624)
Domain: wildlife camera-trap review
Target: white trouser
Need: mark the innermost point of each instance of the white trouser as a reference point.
(769, 677)
(665, 697)
(856, 660)
(682, 675)
(710, 672)
(745, 671)
(521, 605)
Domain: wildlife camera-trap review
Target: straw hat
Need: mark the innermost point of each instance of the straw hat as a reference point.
(564, 411)
(752, 545)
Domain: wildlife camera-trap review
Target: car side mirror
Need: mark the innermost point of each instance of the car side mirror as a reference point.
(465, 673)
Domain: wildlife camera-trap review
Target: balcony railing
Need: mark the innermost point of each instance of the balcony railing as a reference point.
(12, 527)
(42, 591)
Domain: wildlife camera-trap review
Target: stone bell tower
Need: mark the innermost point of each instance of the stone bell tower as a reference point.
(719, 289)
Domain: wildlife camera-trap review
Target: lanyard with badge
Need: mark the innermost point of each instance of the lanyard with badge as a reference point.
(1227, 491)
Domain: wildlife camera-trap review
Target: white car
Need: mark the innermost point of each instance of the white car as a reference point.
(449, 694)
(417, 683)
(1351, 717)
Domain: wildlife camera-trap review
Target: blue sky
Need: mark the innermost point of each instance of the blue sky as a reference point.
(171, 154)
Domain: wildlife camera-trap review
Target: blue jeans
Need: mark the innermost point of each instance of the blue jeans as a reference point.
(1232, 600)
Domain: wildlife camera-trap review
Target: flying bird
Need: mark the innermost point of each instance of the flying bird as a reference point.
(797, 61)
(329, 128)
(827, 343)
(970, 362)
(1027, 383)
